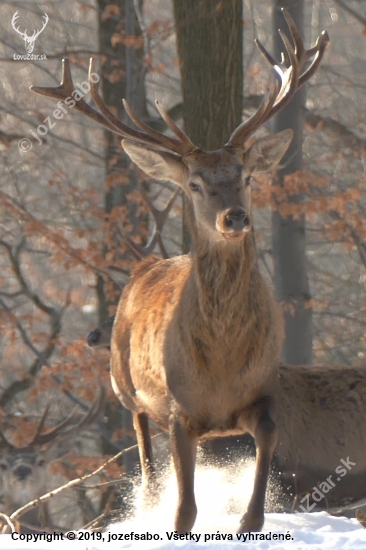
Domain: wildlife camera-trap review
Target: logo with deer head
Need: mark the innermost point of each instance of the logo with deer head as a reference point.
(29, 40)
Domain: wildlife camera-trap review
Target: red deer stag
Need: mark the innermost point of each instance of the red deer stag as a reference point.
(197, 338)
(23, 470)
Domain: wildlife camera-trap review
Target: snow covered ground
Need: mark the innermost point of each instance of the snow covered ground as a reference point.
(220, 495)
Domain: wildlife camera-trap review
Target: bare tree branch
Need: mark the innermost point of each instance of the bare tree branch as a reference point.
(44, 498)
(360, 18)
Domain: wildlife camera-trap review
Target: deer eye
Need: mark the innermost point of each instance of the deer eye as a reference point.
(3, 467)
(195, 187)
(41, 462)
(248, 181)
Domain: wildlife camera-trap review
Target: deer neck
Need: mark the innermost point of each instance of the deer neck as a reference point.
(222, 275)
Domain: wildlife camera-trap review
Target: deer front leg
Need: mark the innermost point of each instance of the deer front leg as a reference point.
(184, 446)
(141, 425)
(264, 431)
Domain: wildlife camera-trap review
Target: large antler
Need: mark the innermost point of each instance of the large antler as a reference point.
(159, 216)
(121, 276)
(67, 428)
(289, 78)
(106, 118)
(5, 443)
(72, 424)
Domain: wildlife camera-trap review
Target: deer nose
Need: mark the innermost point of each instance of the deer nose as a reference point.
(22, 472)
(236, 219)
(93, 337)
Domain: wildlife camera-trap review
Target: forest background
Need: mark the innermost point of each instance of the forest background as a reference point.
(67, 203)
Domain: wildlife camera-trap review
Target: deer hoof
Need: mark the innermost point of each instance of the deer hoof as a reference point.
(185, 517)
(251, 523)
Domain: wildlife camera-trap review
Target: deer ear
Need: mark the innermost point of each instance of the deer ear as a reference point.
(159, 165)
(266, 152)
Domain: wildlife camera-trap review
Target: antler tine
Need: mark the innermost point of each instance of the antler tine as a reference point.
(271, 60)
(123, 130)
(163, 250)
(41, 439)
(171, 143)
(320, 47)
(65, 90)
(6, 442)
(40, 424)
(167, 209)
(290, 78)
(159, 216)
(92, 414)
(141, 252)
(295, 35)
(247, 127)
(135, 250)
(169, 206)
(187, 145)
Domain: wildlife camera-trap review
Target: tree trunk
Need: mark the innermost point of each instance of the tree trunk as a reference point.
(210, 49)
(210, 43)
(289, 246)
(121, 72)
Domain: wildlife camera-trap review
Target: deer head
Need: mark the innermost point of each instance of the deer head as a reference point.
(29, 40)
(216, 182)
(23, 469)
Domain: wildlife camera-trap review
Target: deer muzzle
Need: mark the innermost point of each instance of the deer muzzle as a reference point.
(22, 472)
(93, 337)
(233, 223)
